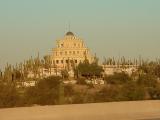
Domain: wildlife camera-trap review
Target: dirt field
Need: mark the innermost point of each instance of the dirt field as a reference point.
(137, 110)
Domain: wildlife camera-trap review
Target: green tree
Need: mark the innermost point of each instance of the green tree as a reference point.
(89, 70)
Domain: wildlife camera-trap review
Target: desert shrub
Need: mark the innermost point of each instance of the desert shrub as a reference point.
(8, 96)
(127, 92)
(108, 94)
(68, 93)
(118, 78)
(46, 92)
(68, 90)
(147, 80)
(81, 81)
(132, 91)
(154, 92)
(83, 97)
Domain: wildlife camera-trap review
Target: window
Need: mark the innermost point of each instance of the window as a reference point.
(74, 44)
(62, 61)
(61, 45)
(70, 52)
(57, 61)
(77, 52)
(75, 61)
(61, 53)
(66, 61)
(71, 61)
(65, 52)
(74, 52)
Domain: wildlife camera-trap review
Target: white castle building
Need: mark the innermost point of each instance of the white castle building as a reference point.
(69, 51)
(67, 54)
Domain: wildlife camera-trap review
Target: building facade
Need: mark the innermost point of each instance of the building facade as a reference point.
(69, 52)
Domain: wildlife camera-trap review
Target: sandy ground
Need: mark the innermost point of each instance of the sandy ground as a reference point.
(137, 110)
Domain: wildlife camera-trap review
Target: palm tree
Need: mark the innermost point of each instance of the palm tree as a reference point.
(48, 63)
(113, 61)
(1, 75)
(104, 61)
(8, 73)
(36, 66)
(25, 70)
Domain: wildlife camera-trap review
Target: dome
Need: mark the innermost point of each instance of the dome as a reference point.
(69, 34)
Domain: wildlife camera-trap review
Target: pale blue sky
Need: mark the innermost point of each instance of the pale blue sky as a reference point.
(109, 27)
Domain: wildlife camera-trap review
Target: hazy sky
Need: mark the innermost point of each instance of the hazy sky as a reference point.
(109, 27)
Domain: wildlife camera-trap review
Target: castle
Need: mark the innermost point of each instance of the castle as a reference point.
(70, 50)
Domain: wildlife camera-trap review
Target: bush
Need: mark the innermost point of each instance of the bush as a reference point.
(147, 80)
(81, 81)
(68, 90)
(133, 91)
(127, 92)
(83, 97)
(154, 92)
(8, 96)
(68, 94)
(108, 94)
(118, 78)
(46, 92)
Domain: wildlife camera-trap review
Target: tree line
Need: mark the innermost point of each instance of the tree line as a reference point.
(144, 84)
